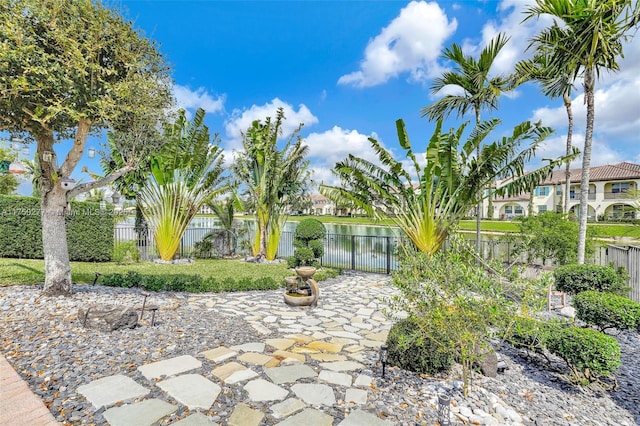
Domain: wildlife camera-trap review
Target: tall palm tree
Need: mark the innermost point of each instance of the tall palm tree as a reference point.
(480, 91)
(586, 37)
(184, 176)
(555, 83)
(272, 177)
(448, 185)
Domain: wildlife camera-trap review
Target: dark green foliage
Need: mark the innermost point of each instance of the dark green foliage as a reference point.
(413, 350)
(126, 252)
(187, 283)
(308, 240)
(607, 310)
(589, 353)
(574, 279)
(89, 230)
(531, 333)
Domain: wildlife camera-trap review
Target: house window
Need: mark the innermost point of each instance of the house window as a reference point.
(517, 210)
(542, 191)
(508, 210)
(559, 190)
(542, 209)
(617, 188)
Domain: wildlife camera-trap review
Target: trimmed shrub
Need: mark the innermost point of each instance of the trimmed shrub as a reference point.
(126, 252)
(532, 333)
(308, 242)
(574, 279)
(589, 353)
(411, 350)
(607, 310)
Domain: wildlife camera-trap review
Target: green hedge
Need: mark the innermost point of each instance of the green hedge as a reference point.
(89, 230)
(607, 310)
(574, 279)
(188, 283)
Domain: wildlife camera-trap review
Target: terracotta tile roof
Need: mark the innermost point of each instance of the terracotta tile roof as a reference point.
(620, 171)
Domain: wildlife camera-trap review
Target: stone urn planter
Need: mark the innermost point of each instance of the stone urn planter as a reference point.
(302, 290)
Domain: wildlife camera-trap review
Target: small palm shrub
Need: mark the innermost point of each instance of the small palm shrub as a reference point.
(607, 310)
(308, 240)
(411, 349)
(574, 279)
(589, 353)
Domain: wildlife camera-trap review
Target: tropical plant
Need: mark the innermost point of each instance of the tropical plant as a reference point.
(8, 182)
(554, 84)
(70, 68)
(480, 92)
(447, 186)
(273, 178)
(586, 37)
(184, 176)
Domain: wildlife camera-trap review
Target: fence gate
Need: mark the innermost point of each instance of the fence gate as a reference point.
(628, 258)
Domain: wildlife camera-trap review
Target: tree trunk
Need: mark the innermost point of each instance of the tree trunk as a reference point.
(567, 172)
(586, 162)
(54, 243)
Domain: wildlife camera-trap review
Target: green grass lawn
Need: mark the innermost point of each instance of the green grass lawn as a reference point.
(30, 271)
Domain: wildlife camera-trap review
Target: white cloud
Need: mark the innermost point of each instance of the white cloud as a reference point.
(412, 42)
(331, 146)
(240, 120)
(200, 98)
(601, 152)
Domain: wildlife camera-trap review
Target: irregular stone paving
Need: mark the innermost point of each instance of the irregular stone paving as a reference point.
(310, 358)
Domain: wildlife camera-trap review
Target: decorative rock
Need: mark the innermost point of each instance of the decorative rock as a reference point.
(284, 355)
(240, 376)
(310, 417)
(255, 358)
(363, 381)
(197, 419)
(280, 344)
(342, 365)
(335, 378)
(192, 390)
(568, 311)
(328, 357)
(108, 317)
(249, 347)
(314, 394)
(169, 367)
(219, 354)
(224, 371)
(287, 407)
(243, 415)
(358, 396)
(289, 374)
(145, 413)
(362, 418)
(109, 390)
(262, 390)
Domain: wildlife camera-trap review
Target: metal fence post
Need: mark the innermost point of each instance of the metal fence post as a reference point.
(353, 252)
(388, 255)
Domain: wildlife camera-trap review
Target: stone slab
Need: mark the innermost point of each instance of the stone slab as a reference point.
(249, 347)
(345, 334)
(109, 390)
(255, 358)
(328, 357)
(263, 390)
(240, 376)
(358, 396)
(145, 413)
(363, 381)
(226, 370)
(197, 419)
(299, 337)
(342, 366)
(191, 390)
(220, 354)
(289, 373)
(287, 407)
(243, 415)
(309, 417)
(314, 394)
(335, 378)
(380, 336)
(363, 418)
(281, 344)
(169, 367)
(324, 346)
(283, 355)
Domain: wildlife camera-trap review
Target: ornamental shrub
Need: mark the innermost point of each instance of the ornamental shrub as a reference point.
(574, 279)
(411, 349)
(607, 310)
(589, 353)
(532, 333)
(308, 240)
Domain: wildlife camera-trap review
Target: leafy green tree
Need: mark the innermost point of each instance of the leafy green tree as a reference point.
(447, 186)
(185, 175)
(480, 91)
(586, 37)
(70, 68)
(8, 182)
(273, 178)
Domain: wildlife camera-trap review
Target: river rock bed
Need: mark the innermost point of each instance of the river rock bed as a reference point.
(44, 342)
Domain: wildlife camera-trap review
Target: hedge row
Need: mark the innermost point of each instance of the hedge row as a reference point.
(607, 310)
(574, 279)
(188, 283)
(89, 230)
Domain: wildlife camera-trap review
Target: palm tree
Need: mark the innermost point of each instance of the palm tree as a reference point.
(184, 176)
(272, 178)
(555, 83)
(586, 37)
(480, 92)
(448, 185)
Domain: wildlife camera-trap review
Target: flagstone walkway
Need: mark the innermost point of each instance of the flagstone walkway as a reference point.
(309, 360)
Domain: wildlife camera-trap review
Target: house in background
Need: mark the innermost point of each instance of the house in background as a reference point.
(322, 206)
(608, 196)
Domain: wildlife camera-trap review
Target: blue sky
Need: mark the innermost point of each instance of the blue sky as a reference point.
(349, 69)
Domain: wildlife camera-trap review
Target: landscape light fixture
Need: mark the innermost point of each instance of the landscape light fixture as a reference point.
(115, 197)
(95, 280)
(384, 353)
(91, 152)
(444, 410)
